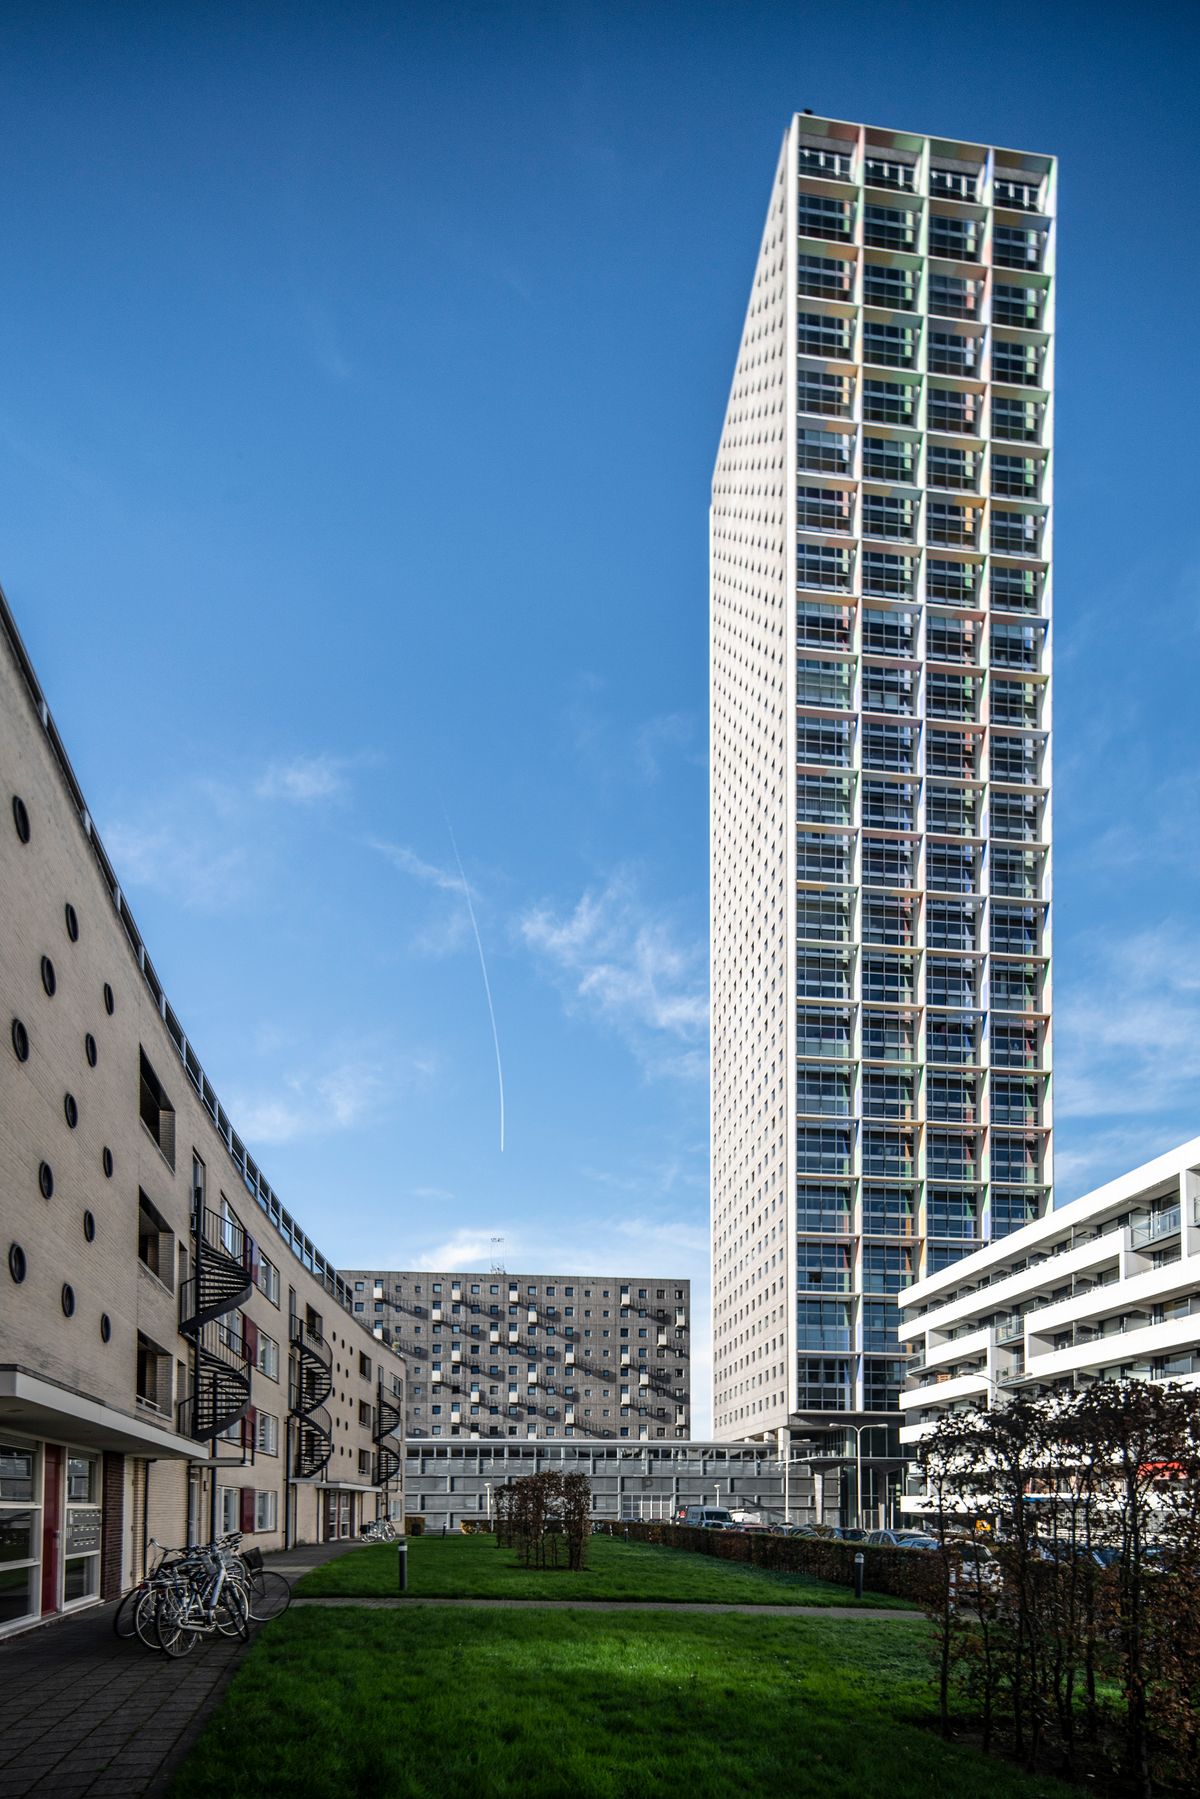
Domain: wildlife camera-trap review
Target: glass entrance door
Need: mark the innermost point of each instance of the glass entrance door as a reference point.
(20, 1534)
(52, 1498)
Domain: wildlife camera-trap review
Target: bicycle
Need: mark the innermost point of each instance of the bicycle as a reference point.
(380, 1530)
(198, 1598)
(268, 1594)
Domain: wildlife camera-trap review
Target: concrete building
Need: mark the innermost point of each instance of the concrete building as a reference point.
(880, 785)
(176, 1356)
(453, 1483)
(1106, 1287)
(535, 1355)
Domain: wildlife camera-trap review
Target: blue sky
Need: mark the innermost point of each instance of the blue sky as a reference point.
(363, 374)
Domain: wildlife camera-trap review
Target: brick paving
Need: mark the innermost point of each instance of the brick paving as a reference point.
(83, 1714)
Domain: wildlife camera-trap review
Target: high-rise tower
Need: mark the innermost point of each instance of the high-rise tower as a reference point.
(880, 716)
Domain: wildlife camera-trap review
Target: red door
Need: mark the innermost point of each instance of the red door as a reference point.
(52, 1505)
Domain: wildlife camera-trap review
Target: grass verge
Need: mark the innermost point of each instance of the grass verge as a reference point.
(537, 1704)
(474, 1568)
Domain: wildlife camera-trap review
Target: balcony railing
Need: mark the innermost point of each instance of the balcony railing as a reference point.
(1163, 1224)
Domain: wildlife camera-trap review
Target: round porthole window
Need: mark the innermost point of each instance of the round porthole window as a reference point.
(68, 1299)
(20, 1041)
(110, 1004)
(70, 1110)
(89, 1049)
(89, 1227)
(106, 1162)
(72, 922)
(49, 978)
(105, 1327)
(21, 817)
(46, 1180)
(16, 1262)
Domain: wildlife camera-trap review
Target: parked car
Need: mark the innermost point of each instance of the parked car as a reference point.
(707, 1517)
(849, 1533)
(900, 1539)
(980, 1563)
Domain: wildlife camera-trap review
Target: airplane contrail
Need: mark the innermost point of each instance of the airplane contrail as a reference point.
(487, 985)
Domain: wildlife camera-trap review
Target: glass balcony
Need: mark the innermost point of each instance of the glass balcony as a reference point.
(889, 228)
(955, 583)
(955, 239)
(1155, 1229)
(1021, 306)
(889, 403)
(892, 289)
(828, 396)
(953, 525)
(892, 346)
(832, 165)
(819, 336)
(826, 452)
(881, 171)
(959, 413)
(1014, 247)
(825, 277)
(950, 354)
(955, 184)
(819, 216)
(1016, 194)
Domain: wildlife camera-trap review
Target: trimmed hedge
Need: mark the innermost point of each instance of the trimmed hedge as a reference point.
(905, 1573)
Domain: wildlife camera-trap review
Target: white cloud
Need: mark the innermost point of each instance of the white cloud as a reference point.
(628, 966)
(409, 863)
(302, 780)
(1127, 1056)
(186, 863)
(658, 736)
(318, 1101)
(466, 1250)
(446, 931)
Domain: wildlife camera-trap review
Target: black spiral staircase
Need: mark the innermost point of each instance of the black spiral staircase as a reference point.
(388, 1421)
(311, 1384)
(220, 1395)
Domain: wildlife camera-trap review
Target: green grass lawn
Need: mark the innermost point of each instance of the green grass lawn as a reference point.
(474, 1568)
(482, 1704)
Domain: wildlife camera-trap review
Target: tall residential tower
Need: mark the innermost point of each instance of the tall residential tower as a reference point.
(880, 714)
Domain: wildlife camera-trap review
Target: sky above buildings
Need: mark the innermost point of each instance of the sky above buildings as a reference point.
(364, 369)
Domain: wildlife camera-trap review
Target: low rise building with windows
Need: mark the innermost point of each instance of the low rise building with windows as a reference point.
(177, 1358)
(1105, 1287)
(451, 1484)
(535, 1355)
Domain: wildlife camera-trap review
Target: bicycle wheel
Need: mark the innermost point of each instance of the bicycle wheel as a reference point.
(230, 1613)
(125, 1617)
(270, 1595)
(144, 1613)
(176, 1637)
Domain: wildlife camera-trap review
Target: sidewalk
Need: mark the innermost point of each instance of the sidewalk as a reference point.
(82, 1714)
(874, 1613)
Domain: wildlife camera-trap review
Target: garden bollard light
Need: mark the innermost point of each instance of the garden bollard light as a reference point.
(402, 1548)
(859, 1560)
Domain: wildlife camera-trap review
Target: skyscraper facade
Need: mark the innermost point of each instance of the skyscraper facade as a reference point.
(880, 722)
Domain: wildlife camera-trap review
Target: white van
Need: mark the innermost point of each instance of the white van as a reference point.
(707, 1517)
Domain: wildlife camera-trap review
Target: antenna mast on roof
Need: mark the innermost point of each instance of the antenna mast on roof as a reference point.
(497, 1264)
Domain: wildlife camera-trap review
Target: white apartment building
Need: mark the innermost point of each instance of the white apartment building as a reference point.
(880, 785)
(1106, 1287)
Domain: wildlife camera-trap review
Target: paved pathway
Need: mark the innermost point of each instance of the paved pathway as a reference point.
(387, 1603)
(82, 1714)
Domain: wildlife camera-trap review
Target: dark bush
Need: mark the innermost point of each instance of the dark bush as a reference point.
(904, 1573)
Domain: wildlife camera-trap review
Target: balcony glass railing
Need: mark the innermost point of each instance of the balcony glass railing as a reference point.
(1163, 1224)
